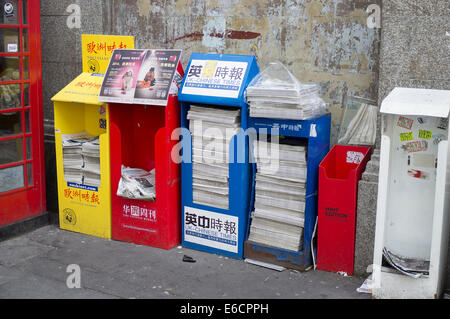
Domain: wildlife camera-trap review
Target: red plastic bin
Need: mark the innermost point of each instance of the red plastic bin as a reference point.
(140, 137)
(339, 173)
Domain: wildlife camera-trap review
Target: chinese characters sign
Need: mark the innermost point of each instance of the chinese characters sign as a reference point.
(211, 229)
(425, 134)
(84, 88)
(83, 196)
(138, 212)
(140, 76)
(97, 50)
(215, 78)
(408, 136)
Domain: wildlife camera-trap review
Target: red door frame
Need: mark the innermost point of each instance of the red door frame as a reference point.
(28, 201)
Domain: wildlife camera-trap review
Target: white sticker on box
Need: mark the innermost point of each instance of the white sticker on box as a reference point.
(211, 229)
(424, 160)
(354, 157)
(312, 131)
(12, 47)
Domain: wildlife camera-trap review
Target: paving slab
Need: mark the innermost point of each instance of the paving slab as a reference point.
(36, 287)
(34, 265)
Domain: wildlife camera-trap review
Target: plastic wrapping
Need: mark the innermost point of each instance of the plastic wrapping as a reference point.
(276, 93)
(277, 81)
(359, 122)
(137, 183)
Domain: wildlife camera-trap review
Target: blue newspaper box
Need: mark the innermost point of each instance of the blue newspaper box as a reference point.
(315, 133)
(215, 196)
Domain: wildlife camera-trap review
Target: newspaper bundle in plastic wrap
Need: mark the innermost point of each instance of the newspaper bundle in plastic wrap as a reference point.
(276, 93)
(137, 183)
(359, 122)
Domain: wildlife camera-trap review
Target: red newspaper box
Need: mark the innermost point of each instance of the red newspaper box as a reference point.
(339, 174)
(141, 138)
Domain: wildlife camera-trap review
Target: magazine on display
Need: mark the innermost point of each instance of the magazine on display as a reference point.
(140, 76)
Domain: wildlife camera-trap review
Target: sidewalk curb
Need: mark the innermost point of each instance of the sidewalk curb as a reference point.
(24, 226)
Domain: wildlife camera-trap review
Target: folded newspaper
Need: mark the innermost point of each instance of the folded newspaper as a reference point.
(137, 183)
(408, 266)
(91, 147)
(76, 140)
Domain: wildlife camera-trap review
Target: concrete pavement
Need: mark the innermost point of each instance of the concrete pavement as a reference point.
(34, 266)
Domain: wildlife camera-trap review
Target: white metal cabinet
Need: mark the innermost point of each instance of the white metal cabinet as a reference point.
(413, 192)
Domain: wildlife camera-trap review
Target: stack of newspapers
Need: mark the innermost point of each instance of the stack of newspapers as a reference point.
(280, 190)
(276, 93)
(91, 156)
(81, 158)
(212, 129)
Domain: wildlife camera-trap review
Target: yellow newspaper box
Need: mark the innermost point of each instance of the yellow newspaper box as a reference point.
(83, 157)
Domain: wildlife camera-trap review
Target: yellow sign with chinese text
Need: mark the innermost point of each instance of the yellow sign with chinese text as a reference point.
(85, 88)
(97, 50)
(425, 134)
(409, 136)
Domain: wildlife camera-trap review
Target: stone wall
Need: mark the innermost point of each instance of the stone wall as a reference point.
(322, 41)
(414, 49)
